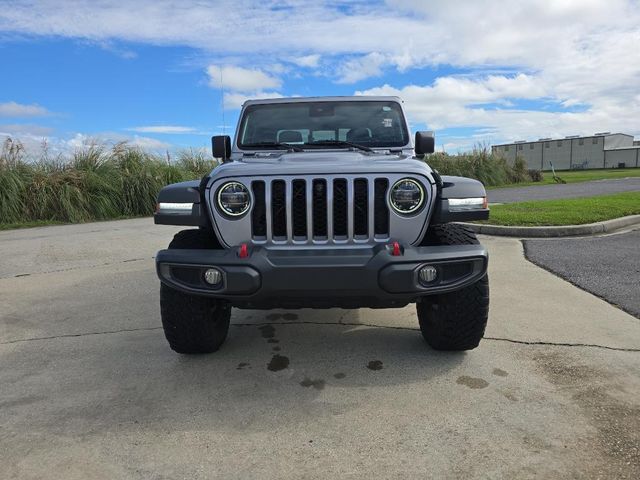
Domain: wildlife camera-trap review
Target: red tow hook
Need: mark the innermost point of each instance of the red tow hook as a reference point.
(243, 252)
(395, 249)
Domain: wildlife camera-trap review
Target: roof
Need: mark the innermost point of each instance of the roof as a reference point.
(570, 137)
(353, 98)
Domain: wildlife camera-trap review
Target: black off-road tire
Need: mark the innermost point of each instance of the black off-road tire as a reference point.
(195, 239)
(456, 320)
(193, 323)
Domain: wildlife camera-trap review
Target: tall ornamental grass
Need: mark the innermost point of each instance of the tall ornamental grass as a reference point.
(95, 183)
(492, 170)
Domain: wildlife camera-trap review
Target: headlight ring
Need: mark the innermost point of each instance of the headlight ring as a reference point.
(406, 196)
(234, 199)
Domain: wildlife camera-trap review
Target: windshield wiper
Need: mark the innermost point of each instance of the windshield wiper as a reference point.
(278, 145)
(340, 143)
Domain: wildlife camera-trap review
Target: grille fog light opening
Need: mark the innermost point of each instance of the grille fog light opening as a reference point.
(427, 275)
(213, 277)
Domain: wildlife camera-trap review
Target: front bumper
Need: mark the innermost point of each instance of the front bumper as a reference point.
(322, 278)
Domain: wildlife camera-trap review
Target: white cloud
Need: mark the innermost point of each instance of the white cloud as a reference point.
(360, 68)
(240, 79)
(148, 143)
(35, 139)
(81, 140)
(234, 100)
(578, 56)
(19, 110)
(168, 129)
(25, 129)
(307, 61)
(452, 102)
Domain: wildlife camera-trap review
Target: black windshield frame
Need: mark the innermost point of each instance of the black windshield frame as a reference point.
(383, 121)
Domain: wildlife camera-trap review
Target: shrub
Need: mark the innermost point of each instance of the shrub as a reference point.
(492, 170)
(536, 175)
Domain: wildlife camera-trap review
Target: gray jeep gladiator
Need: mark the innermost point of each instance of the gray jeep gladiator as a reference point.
(321, 203)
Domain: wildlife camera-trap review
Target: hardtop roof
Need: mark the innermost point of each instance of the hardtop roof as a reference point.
(351, 98)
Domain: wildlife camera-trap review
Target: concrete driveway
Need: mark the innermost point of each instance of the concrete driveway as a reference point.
(89, 388)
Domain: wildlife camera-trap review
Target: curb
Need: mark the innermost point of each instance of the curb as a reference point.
(556, 231)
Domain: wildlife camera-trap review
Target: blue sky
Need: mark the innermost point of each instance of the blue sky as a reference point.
(473, 71)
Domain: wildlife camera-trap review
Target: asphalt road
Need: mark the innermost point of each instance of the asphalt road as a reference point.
(607, 266)
(90, 390)
(569, 190)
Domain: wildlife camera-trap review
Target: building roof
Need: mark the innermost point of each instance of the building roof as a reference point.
(570, 137)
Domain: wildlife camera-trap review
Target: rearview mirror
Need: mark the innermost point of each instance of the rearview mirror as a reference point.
(425, 143)
(221, 147)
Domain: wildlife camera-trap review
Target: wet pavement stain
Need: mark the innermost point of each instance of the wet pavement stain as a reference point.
(510, 396)
(276, 349)
(290, 316)
(339, 375)
(273, 340)
(317, 384)
(499, 372)
(472, 382)
(268, 331)
(273, 316)
(278, 362)
(241, 365)
(375, 365)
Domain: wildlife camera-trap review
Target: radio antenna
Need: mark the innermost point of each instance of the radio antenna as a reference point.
(224, 124)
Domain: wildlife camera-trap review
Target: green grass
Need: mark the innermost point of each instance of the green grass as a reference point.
(577, 176)
(574, 211)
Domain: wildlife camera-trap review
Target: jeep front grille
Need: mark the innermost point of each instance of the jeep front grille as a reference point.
(302, 210)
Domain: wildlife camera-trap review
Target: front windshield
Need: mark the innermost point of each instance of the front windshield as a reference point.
(368, 123)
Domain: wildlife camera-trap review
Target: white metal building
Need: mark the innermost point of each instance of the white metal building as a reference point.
(601, 150)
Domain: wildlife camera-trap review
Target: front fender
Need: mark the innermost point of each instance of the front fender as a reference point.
(459, 188)
(181, 204)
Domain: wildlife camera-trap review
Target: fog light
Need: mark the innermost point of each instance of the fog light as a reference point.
(428, 274)
(213, 276)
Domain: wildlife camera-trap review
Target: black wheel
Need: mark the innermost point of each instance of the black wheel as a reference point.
(456, 320)
(193, 323)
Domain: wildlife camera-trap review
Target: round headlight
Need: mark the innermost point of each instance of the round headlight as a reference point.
(406, 196)
(234, 199)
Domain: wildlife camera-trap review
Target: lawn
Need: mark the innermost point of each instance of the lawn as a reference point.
(574, 211)
(576, 176)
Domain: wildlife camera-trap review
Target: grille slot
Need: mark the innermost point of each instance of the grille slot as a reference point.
(380, 209)
(320, 210)
(278, 209)
(340, 208)
(299, 208)
(360, 207)
(259, 213)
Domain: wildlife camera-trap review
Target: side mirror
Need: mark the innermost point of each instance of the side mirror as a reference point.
(221, 147)
(425, 143)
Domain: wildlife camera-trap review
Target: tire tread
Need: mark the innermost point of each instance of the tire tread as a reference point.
(193, 323)
(456, 320)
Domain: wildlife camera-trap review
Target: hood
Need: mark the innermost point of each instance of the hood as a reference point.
(323, 162)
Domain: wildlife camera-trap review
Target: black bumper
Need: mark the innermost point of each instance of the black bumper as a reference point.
(322, 278)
